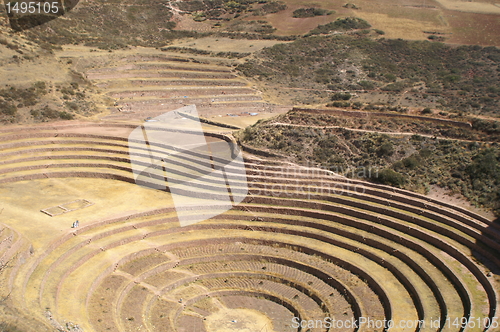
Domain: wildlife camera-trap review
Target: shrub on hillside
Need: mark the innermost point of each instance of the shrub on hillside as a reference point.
(190, 6)
(310, 12)
(367, 85)
(411, 162)
(273, 7)
(66, 116)
(390, 177)
(484, 174)
(485, 165)
(7, 108)
(252, 69)
(50, 113)
(490, 127)
(341, 24)
(386, 149)
(436, 38)
(341, 96)
(350, 5)
(28, 97)
(394, 87)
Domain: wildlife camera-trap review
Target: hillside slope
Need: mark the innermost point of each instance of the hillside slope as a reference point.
(380, 72)
(389, 150)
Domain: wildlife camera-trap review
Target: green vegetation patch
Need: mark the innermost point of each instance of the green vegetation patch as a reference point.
(42, 101)
(214, 9)
(350, 5)
(271, 7)
(28, 96)
(311, 12)
(47, 113)
(13, 98)
(7, 108)
(341, 24)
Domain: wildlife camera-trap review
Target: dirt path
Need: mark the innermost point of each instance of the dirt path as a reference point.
(379, 132)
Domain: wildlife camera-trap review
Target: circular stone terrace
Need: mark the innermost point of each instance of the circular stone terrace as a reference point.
(303, 245)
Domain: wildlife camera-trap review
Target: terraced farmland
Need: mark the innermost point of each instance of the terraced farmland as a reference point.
(304, 243)
(149, 85)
